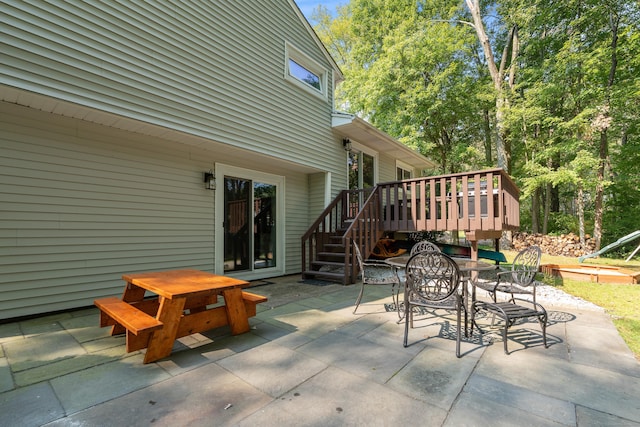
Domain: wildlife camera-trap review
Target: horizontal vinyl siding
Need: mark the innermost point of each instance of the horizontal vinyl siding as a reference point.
(386, 169)
(83, 204)
(297, 215)
(212, 69)
(316, 196)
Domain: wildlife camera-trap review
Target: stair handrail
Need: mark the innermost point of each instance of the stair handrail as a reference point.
(365, 231)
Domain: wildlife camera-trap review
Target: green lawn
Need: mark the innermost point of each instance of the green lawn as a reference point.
(621, 301)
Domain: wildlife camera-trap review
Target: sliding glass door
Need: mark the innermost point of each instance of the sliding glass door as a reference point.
(250, 227)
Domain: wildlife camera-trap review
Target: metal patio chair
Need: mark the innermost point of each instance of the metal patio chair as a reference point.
(520, 279)
(510, 312)
(373, 273)
(421, 246)
(433, 281)
(424, 246)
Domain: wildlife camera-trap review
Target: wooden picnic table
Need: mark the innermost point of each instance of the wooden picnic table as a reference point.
(182, 306)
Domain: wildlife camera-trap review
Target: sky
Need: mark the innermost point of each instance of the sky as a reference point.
(307, 6)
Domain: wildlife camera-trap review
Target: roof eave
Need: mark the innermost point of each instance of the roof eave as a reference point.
(353, 127)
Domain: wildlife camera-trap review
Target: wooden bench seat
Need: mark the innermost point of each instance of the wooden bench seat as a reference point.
(250, 301)
(254, 298)
(115, 311)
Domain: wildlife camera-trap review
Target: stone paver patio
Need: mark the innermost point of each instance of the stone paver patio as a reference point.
(309, 361)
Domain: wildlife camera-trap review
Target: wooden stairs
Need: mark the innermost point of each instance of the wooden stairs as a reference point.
(330, 259)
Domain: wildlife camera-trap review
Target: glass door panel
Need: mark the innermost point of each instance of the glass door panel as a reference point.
(237, 199)
(249, 235)
(361, 167)
(264, 225)
(368, 178)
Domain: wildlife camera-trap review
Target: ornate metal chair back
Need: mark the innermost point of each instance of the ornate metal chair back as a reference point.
(431, 277)
(525, 265)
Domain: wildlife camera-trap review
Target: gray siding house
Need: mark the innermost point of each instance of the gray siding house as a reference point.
(141, 136)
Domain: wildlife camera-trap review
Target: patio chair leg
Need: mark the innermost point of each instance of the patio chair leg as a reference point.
(395, 294)
(406, 322)
(543, 325)
(359, 298)
(504, 337)
(458, 330)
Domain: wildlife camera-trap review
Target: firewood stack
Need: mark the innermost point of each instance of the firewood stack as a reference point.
(563, 245)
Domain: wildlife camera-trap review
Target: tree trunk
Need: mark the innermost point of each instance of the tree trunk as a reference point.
(599, 208)
(535, 211)
(547, 208)
(603, 151)
(547, 201)
(581, 215)
(487, 138)
(497, 78)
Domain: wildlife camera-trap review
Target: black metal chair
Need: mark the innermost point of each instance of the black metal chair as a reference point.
(424, 246)
(421, 246)
(433, 281)
(373, 273)
(510, 312)
(520, 279)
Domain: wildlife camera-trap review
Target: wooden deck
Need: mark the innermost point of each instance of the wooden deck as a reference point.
(437, 203)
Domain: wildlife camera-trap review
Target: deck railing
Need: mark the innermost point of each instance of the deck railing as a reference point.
(366, 228)
(483, 203)
(450, 202)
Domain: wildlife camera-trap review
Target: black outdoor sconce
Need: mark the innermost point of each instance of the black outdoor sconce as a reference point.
(346, 143)
(209, 180)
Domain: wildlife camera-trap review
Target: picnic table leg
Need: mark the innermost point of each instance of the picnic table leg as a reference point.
(162, 340)
(132, 293)
(236, 312)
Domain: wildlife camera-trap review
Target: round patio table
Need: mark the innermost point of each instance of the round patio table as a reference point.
(465, 265)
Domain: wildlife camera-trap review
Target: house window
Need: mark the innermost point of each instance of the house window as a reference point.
(305, 72)
(362, 169)
(402, 171)
(299, 72)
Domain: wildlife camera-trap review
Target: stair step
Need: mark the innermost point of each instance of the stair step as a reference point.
(338, 246)
(333, 264)
(330, 256)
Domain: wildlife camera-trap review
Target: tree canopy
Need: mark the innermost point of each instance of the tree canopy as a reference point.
(549, 91)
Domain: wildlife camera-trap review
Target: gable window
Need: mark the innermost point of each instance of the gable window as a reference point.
(305, 72)
(299, 72)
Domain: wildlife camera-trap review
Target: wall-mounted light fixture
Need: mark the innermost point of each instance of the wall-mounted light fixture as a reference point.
(209, 180)
(346, 143)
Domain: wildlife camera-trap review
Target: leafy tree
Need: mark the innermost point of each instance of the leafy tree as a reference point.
(411, 72)
(549, 87)
(570, 86)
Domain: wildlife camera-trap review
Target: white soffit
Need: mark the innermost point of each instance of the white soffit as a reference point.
(353, 127)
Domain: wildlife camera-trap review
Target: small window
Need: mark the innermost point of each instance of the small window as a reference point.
(305, 72)
(299, 72)
(402, 173)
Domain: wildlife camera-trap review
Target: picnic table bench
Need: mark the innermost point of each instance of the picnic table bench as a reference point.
(182, 306)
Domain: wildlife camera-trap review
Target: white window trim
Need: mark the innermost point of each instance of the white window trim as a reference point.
(295, 54)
